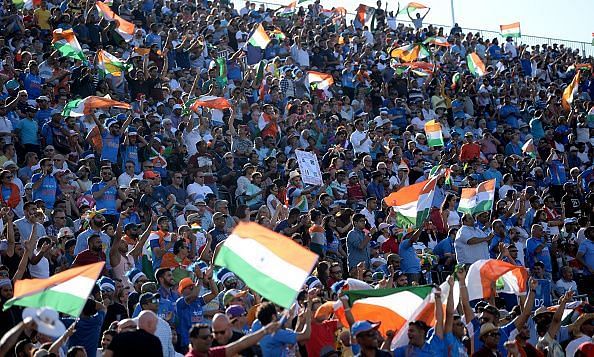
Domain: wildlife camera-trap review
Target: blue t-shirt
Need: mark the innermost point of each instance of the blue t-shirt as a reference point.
(495, 243)
(275, 345)
(188, 315)
(398, 117)
(47, 191)
(557, 172)
(130, 153)
(111, 145)
(434, 346)
(108, 200)
(505, 331)
(410, 262)
(453, 346)
(587, 248)
(165, 307)
(544, 255)
(446, 245)
(28, 133)
(32, 84)
(88, 331)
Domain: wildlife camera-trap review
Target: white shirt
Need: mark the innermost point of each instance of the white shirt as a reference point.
(41, 269)
(510, 48)
(370, 216)
(360, 145)
(470, 253)
(573, 345)
(163, 332)
(197, 191)
(6, 127)
(190, 139)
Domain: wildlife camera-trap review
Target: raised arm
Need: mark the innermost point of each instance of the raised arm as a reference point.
(234, 348)
(438, 314)
(467, 309)
(449, 320)
(556, 323)
(520, 321)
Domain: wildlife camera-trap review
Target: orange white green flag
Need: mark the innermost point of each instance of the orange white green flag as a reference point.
(410, 53)
(210, 101)
(479, 199)
(413, 203)
(110, 64)
(321, 81)
(511, 30)
(570, 91)
(65, 292)
(271, 264)
(433, 133)
(411, 7)
(259, 38)
(65, 42)
(481, 274)
(529, 149)
(124, 28)
(81, 107)
(475, 65)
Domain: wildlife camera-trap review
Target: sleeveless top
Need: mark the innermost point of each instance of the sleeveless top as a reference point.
(119, 271)
(453, 219)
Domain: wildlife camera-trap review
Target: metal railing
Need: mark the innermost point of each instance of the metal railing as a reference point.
(586, 48)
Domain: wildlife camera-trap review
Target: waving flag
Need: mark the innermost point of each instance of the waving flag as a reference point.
(66, 43)
(479, 199)
(210, 101)
(364, 15)
(259, 38)
(411, 7)
(278, 34)
(413, 203)
(271, 264)
(511, 30)
(529, 149)
(320, 80)
(287, 10)
(410, 53)
(481, 274)
(124, 28)
(110, 64)
(65, 292)
(81, 107)
(438, 41)
(475, 65)
(570, 91)
(434, 134)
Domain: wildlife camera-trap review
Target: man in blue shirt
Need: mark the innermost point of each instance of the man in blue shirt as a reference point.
(410, 263)
(45, 185)
(585, 254)
(358, 242)
(538, 249)
(500, 236)
(111, 137)
(105, 194)
(276, 344)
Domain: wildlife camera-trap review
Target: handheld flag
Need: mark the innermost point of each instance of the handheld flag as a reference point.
(124, 28)
(438, 41)
(259, 38)
(479, 199)
(434, 134)
(511, 30)
(320, 80)
(410, 53)
(475, 65)
(81, 107)
(364, 15)
(110, 64)
(287, 10)
(484, 272)
(210, 101)
(529, 149)
(411, 7)
(271, 264)
(65, 292)
(413, 203)
(570, 92)
(66, 43)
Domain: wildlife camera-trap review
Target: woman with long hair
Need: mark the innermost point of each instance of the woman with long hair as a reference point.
(449, 215)
(334, 248)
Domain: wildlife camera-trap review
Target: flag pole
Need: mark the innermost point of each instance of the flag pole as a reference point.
(453, 15)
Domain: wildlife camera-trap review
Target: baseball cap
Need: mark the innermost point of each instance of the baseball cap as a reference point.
(184, 283)
(570, 220)
(232, 294)
(8, 163)
(364, 326)
(235, 311)
(148, 297)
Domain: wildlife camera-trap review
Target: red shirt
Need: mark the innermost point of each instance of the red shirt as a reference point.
(355, 192)
(469, 152)
(322, 335)
(390, 246)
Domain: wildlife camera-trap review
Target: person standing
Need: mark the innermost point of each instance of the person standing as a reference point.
(358, 242)
(471, 244)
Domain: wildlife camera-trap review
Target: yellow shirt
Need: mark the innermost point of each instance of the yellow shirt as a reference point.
(42, 17)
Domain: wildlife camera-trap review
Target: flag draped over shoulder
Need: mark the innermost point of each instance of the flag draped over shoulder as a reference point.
(271, 264)
(570, 91)
(412, 203)
(481, 274)
(66, 43)
(479, 199)
(80, 107)
(66, 292)
(124, 28)
(475, 65)
(511, 30)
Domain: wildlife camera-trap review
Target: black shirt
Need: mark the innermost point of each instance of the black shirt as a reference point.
(136, 343)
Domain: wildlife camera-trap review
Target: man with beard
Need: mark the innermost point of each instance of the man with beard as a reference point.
(111, 136)
(93, 254)
(96, 221)
(161, 241)
(105, 194)
(164, 278)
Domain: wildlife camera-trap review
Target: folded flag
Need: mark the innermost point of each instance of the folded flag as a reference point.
(479, 199)
(483, 273)
(66, 292)
(259, 38)
(81, 107)
(411, 7)
(511, 30)
(410, 53)
(319, 80)
(475, 65)
(65, 42)
(210, 101)
(438, 41)
(529, 149)
(434, 134)
(364, 14)
(271, 264)
(124, 28)
(413, 203)
(110, 64)
(570, 91)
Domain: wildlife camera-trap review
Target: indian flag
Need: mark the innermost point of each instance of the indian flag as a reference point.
(479, 199)
(364, 14)
(66, 292)
(124, 28)
(412, 203)
(278, 34)
(438, 41)
(66, 43)
(410, 53)
(210, 101)
(412, 7)
(110, 64)
(511, 30)
(475, 65)
(271, 264)
(81, 107)
(259, 38)
(529, 149)
(321, 80)
(481, 274)
(287, 10)
(570, 91)
(433, 132)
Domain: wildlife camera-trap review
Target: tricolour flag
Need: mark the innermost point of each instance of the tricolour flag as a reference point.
(410, 53)
(320, 80)
(511, 30)
(66, 43)
(287, 10)
(110, 64)
(479, 199)
(438, 41)
(411, 7)
(364, 14)
(124, 28)
(66, 292)
(259, 38)
(570, 91)
(412, 203)
(529, 149)
(475, 65)
(434, 134)
(278, 34)
(210, 101)
(271, 264)
(482, 273)
(81, 107)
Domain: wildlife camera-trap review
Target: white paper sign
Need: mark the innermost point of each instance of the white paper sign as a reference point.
(309, 167)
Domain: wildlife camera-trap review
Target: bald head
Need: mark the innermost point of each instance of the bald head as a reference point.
(221, 327)
(147, 320)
